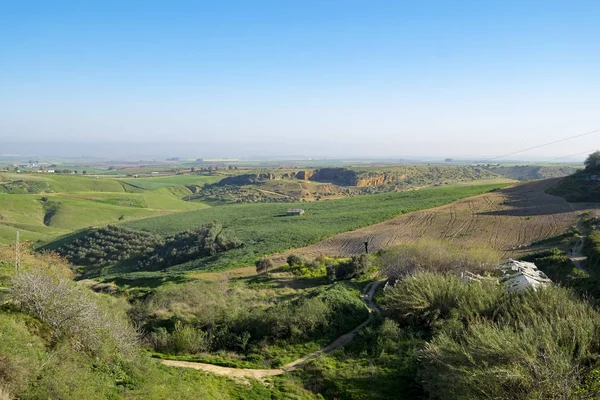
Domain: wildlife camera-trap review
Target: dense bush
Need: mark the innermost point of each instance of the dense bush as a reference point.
(490, 344)
(108, 245)
(207, 240)
(592, 250)
(34, 366)
(70, 312)
(263, 265)
(356, 266)
(197, 317)
(425, 300)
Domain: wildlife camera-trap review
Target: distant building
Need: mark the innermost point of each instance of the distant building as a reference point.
(50, 171)
(295, 211)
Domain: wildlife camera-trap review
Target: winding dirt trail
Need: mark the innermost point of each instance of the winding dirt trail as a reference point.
(577, 256)
(243, 373)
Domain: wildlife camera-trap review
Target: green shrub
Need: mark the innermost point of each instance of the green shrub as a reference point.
(356, 266)
(294, 260)
(536, 344)
(424, 300)
(263, 265)
(592, 250)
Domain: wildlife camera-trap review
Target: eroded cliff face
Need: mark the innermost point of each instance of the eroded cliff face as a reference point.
(377, 180)
(340, 176)
(305, 175)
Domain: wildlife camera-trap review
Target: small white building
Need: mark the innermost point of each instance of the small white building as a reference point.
(295, 211)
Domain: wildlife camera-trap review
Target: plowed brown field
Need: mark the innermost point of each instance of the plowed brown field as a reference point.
(507, 220)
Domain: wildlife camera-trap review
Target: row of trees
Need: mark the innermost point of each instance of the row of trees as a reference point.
(112, 244)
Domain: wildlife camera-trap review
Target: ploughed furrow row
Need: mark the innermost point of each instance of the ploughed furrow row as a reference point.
(507, 220)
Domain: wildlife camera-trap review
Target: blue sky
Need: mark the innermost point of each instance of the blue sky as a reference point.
(330, 78)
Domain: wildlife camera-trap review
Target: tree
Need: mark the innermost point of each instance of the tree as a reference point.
(263, 265)
(293, 260)
(593, 161)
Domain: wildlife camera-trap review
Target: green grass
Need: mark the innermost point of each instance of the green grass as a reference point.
(264, 231)
(170, 181)
(44, 206)
(66, 183)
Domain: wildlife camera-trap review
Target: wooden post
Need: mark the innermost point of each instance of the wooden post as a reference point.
(17, 254)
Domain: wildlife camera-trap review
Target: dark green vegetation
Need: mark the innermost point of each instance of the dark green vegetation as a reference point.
(236, 324)
(592, 250)
(138, 250)
(263, 229)
(532, 172)
(583, 186)
(109, 245)
(486, 343)
(60, 341)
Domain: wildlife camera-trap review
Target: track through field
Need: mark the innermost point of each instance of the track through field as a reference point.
(507, 220)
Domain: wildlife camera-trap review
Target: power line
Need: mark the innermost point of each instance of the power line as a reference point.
(570, 155)
(543, 145)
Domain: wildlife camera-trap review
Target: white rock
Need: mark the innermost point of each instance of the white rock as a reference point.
(521, 275)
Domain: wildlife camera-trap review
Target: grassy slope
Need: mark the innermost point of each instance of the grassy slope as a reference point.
(170, 181)
(81, 201)
(264, 231)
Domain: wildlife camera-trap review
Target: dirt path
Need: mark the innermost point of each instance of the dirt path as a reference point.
(577, 256)
(507, 220)
(243, 373)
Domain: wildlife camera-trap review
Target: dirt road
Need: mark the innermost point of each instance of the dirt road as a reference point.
(507, 220)
(243, 373)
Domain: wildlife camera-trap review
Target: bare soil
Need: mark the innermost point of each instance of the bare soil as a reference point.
(507, 220)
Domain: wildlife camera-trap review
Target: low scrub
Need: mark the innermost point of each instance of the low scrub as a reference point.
(592, 250)
(425, 300)
(435, 256)
(198, 317)
(486, 343)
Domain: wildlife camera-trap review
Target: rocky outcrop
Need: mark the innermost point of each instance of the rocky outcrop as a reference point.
(305, 175)
(340, 176)
(515, 275)
(376, 180)
(521, 275)
(347, 177)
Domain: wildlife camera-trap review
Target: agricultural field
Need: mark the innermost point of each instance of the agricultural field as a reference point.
(508, 220)
(264, 228)
(42, 207)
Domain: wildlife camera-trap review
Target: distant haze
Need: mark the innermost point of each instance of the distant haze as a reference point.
(398, 79)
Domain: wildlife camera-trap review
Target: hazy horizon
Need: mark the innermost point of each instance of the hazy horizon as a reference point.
(461, 79)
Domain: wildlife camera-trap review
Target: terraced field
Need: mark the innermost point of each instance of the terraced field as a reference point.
(507, 220)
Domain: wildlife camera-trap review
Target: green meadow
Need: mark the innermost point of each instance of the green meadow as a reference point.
(42, 207)
(264, 228)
